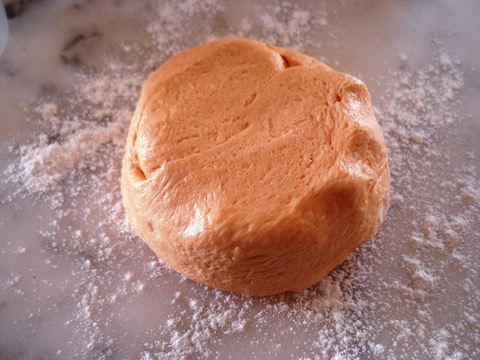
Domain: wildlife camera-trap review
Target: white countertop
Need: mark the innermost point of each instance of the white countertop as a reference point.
(76, 283)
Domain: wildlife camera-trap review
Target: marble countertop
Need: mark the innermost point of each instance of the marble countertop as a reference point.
(75, 283)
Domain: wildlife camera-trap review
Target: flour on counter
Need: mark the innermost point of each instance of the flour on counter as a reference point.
(73, 165)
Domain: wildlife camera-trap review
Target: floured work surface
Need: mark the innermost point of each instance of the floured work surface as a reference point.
(75, 282)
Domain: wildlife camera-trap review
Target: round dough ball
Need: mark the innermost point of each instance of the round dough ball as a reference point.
(253, 168)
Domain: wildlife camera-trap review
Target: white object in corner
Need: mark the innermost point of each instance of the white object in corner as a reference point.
(3, 29)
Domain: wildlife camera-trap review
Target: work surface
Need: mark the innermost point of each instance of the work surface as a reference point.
(75, 282)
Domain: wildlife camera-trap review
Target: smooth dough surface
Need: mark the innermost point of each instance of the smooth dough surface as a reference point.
(253, 168)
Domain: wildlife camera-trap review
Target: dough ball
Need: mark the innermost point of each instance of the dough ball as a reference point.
(252, 168)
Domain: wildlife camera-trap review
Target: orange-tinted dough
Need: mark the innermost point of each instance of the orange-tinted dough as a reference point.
(252, 168)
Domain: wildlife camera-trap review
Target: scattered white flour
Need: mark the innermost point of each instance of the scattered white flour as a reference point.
(73, 165)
